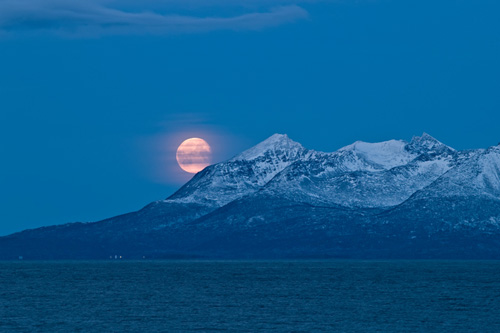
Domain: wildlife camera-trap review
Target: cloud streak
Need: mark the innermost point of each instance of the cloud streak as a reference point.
(95, 18)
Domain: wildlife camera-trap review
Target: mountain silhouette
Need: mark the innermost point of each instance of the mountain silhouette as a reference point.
(393, 199)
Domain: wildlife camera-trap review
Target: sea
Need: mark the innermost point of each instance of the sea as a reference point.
(248, 296)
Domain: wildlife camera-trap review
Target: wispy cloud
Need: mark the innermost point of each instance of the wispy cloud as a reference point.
(92, 18)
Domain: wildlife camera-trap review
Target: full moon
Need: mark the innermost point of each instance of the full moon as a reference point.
(193, 155)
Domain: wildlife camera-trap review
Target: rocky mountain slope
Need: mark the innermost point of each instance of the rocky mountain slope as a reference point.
(394, 199)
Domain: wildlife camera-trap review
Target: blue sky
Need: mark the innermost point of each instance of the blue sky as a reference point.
(95, 95)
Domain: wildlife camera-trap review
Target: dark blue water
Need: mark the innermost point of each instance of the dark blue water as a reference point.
(247, 296)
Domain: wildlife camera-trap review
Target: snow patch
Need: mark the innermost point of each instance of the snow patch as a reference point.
(387, 154)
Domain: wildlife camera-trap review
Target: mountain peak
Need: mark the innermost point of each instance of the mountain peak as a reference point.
(387, 154)
(276, 143)
(427, 143)
(277, 137)
(368, 146)
(246, 173)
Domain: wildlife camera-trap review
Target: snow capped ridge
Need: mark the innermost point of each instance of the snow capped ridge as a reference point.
(476, 174)
(387, 154)
(244, 174)
(362, 174)
(395, 153)
(428, 144)
(366, 146)
(418, 145)
(368, 175)
(277, 143)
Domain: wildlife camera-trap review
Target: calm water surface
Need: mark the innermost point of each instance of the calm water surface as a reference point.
(159, 296)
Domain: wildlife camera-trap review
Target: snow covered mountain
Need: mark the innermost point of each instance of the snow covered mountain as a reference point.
(393, 199)
(476, 174)
(366, 174)
(246, 173)
(348, 177)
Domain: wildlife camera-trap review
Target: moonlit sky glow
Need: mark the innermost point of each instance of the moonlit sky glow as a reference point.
(96, 96)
